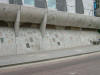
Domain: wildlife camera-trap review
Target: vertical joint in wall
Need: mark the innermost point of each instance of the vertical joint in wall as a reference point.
(17, 22)
(43, 24)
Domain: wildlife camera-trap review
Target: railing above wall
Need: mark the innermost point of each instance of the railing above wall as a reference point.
(8, 12)
(17, 13)
(60, 5)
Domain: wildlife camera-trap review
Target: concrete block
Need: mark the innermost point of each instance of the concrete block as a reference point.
(7, 42)
(28, 41)
(55, 39)
(59, 39)
(21, 42)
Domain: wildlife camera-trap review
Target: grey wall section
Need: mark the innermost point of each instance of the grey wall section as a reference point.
(79, 6)
(41, 3)
(61, 5)
(19, 2)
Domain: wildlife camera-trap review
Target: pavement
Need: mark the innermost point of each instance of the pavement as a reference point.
(47, 55)
(88, 64)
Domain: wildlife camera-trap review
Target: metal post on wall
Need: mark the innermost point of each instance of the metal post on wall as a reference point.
(43, 25)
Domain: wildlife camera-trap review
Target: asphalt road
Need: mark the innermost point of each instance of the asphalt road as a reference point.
(79, 65)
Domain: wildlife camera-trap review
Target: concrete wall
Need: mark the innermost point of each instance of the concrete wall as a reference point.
(30, 40)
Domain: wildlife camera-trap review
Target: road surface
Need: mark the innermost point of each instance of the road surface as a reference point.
(78, 65)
